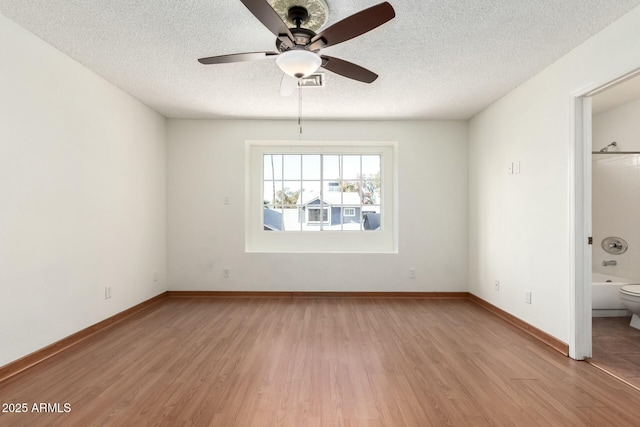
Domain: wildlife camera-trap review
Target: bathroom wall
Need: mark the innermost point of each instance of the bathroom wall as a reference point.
(616, 188)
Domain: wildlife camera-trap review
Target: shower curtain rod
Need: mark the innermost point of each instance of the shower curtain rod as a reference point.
(615, 152)
(605, 150)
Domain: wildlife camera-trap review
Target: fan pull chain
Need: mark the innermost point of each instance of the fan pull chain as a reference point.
(300, 108)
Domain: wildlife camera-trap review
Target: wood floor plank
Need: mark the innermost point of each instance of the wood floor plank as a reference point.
(317, 362)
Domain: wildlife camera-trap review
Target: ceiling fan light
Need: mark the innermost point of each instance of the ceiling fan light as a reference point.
(298, 63)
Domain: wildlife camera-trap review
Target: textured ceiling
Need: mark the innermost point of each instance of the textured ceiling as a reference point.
(436, 59)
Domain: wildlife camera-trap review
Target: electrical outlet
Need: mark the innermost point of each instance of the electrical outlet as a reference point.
(107, 292)
(412, 273)
(227, 200)
(155, 276)
(497, 286)
(226, 273)
(527, 297)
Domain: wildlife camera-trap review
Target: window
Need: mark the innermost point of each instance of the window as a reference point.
(314, 196)
(320, 192)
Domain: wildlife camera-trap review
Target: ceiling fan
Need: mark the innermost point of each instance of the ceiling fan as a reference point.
(297, 48)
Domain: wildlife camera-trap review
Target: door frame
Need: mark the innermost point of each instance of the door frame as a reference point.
(580, 331)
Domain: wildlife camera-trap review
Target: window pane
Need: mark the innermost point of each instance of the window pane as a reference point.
(350, 186)
(331, 187)
(371, 218)
(370, 167)
(370, 192)
(311, 166)
(310, 191)
(292, 164)
(272, 219)
(272, 166)
(331, 167)
(351, 192)
(270, 191)
(266, 166)
(291, 219)
(350, 167)
(290, 193)
(351, 219)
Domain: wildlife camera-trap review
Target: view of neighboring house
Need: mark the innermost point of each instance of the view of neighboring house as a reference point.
(320, 191)
(334, 211)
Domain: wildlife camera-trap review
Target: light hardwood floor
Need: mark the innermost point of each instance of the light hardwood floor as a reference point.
(318, 362)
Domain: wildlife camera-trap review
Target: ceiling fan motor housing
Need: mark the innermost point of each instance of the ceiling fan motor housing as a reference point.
(302, 37)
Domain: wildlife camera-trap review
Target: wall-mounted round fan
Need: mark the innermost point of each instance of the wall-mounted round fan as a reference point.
(297, 48)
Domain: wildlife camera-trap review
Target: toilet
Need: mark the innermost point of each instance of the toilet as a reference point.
(630, 297)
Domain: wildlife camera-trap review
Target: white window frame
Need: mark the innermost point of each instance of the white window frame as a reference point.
(327, 241)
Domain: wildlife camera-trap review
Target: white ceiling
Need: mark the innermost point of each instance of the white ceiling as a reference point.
(436, 59)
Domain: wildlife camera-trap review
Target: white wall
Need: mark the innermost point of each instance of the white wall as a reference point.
(206, 163)
(520, 225)
(82, 196)
(616, 186)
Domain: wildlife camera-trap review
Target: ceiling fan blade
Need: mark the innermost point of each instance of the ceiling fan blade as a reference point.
(348, 69)
(237, 57)
(353, 26)
(288, 85)
(270, 19)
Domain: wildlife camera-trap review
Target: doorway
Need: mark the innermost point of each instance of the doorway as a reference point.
(615, 190)
(606, 159)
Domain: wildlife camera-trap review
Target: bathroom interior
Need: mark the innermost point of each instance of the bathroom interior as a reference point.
(616, 230)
